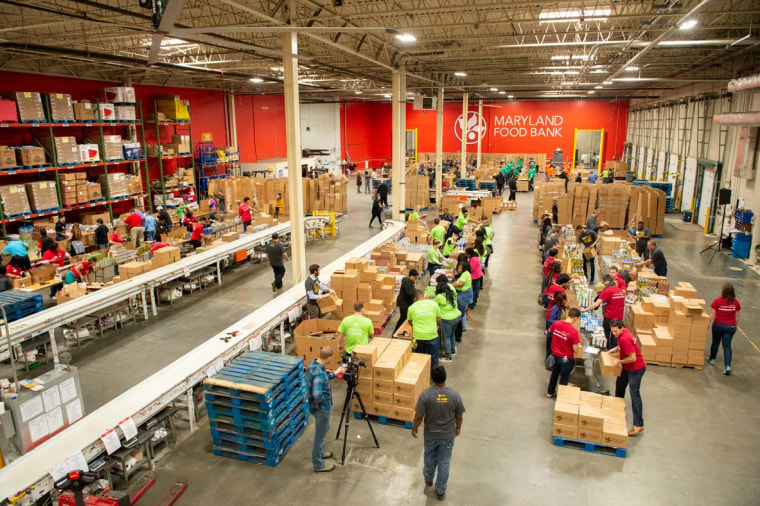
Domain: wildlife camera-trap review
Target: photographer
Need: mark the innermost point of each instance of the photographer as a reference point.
(357, 328)
(320, 405)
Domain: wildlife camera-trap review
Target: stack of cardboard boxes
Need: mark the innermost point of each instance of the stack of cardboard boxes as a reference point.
(114, 184)
(361, 282)
(15, 200)
(311, 335)
(613, 204)
(671, 330)
(165, 256)
(133, 269)
(112, 149)
(42, 195)
(61, 107)
(84, 111)
(7, 157)
(393, 378)
(173, 107)
(29, 106)
(391, 261)
(30, 156)
(590, 417)
(417, 191)
(65, 149)
(331, 194)
(417, 233)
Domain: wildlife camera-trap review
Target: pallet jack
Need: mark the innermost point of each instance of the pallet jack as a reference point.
(72, 488)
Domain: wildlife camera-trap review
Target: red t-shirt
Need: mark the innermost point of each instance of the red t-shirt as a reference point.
(725, 313)
(550, 293)
(548, 265)
(628, 345)
(116, 238)
(245, 212)
(158, 246)
(133, 220)
(55, 258)
(84, 267)
(14, 270)
(615, 299)
(564, 336)
(197, 234)
(621, 282)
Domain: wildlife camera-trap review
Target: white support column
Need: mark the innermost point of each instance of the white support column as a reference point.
(480, 115)
(232, 120)
(463, 161)
(439, 148)
(295, 183)
(398, 171)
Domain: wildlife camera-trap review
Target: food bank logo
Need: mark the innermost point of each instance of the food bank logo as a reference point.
(474, 129)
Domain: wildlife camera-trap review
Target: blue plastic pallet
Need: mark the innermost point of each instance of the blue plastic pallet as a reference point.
(267, 439)
(259, 373)
(241, 424)
(265, 419)
(589, 447)
(19, 304)
(384, 420)
(38, 166)
(253, 458)
(252, 445)
(267, 410)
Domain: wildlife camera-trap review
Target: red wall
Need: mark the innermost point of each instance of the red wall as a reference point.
(366, 132)
(515, 126)
(260, 121)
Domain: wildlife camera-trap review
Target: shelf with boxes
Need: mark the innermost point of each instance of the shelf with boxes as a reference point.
(54, 135)
(171, 174)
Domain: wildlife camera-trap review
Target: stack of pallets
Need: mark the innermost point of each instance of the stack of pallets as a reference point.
(257, 407)
(18, 304)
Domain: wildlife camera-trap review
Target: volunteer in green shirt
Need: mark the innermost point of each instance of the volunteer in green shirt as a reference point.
(450, 245)
(487, 239)
(435, 257)
(424, 316)
(462, 220)
(463, 285)
(531, 175)
(415, 216)
(438, 232)
(446, 298)
(356, 328)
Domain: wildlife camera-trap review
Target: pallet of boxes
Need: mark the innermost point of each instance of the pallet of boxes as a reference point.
(392, 380)
(672, 330)
(361, 281)
(590, 422)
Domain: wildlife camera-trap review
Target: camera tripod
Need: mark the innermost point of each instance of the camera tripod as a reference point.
(717, 245)
(346, 414)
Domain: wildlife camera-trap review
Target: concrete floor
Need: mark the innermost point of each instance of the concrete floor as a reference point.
(699, 446)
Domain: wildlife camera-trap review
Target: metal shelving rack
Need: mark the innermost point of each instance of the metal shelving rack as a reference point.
(161, 158)
(55, 168)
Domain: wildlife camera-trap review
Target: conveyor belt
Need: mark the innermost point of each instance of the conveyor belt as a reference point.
(152, 394)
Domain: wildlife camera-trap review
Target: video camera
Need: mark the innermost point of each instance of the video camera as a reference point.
(352, 364)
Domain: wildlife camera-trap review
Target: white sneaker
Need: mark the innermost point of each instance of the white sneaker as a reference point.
(444, 359)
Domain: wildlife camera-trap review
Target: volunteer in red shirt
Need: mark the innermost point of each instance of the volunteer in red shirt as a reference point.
(115, 239)
(15, 268)
(562, 281)
(134, 223)
(160, 245)
(55, 255)
(79, 271)
(245, 213)
(617, 278)
(188, 220)
(565, 342)
(196, 237)
(614, 309)
(552, 256)
(634, 368)
(725, 318)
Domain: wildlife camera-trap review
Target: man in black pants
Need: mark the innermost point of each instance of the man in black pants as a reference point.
(513, 187)
(275, 255)
(588, 240)
(382, 190)
(406, 296)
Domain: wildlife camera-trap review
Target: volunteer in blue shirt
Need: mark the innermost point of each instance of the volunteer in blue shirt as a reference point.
(18, 249)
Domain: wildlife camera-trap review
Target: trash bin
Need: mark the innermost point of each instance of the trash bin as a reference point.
(687, 216)
(741, 245)
(629, 176)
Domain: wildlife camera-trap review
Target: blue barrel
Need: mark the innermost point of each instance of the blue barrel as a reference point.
(687, 216)
(741, 246)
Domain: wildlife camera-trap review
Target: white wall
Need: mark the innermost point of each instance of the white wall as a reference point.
(320, 128)
(662, 127)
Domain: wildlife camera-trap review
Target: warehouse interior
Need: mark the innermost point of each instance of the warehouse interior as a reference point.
(640, 110)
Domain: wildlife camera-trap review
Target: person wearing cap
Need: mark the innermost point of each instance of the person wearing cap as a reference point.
(406, 296)
(275, 255)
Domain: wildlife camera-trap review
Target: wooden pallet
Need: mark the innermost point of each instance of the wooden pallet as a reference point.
(676, 366)
(589, 447)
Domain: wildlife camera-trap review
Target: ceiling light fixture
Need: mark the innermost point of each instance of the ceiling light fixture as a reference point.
(590, 92)
(358, 92)
(561, 57)
(387, 95)
(607, 83)
(460, 74)
(581, 57)
(257, 80)
(510, 96)
(631, 69)
(502, 93)
(493, 89)
(405, 37)
(688, 24)
(277, 69)
(598, 87)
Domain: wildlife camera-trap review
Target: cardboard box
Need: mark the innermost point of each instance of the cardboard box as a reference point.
(61, 107)
(403, 414)
(568, 395)
(406, 384)
(121, 94)
(367, 353)
(112, 149)
(311, 335)
(7, 157)
(615, 434)
(43, 195)
(380, 410)
(606, 364)
(131, 270)
(84, 111)
(382, 385)
(14, 199)
(30, 155)
(329, 304)
(89, 153)
(590, 435)
(404, 401)
(590, 417)
(382, 397)
(106, 111)
(231, 236)
(65, 149)
(131, 150)
(565, 431)
(29, 105)
(165, 256)
(566, 414)
(125, 113)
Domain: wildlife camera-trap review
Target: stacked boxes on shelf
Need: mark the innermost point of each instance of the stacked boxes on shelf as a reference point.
(173, 108)
(65, 149)
(7, 157)
(590, 417)
(257, 407)
(61, 107)
(84, 111)
(117, 184)
(121, 95)
(29, 106)
(14, 198)
(393, 378)
(73, 188)
(112, 148)
(30, 156)
(42, 195)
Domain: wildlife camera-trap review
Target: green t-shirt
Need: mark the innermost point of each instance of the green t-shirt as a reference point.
(531, 173)
(357, 330)
(435, 256)
(449, 247)
(414, 216)
(467, 278)
(461, 220)
(448, 312)
(489, 236)
(424, 316)
(438, 232)
(430, 291)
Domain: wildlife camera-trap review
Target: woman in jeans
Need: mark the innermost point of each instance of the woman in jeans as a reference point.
(463, 286)
(476, 271)
(725, 318)
(446, 298)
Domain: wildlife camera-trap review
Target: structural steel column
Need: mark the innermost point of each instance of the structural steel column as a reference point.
(439, 148)
(293, 132)
(480, 115)
(398, 170)
(463, 161)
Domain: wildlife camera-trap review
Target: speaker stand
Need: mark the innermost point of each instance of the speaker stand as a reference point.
(717, 245)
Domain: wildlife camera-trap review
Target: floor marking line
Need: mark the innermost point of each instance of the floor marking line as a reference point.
(748, 339)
